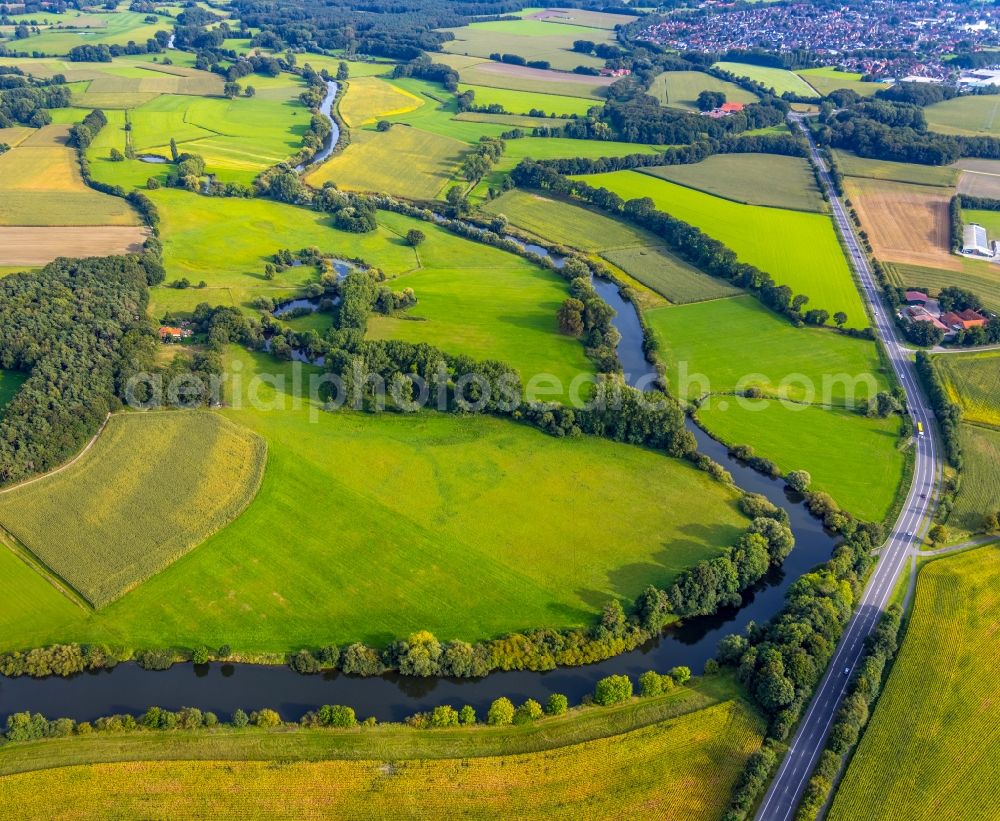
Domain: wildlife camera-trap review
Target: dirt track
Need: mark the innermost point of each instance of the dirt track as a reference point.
(39, 245)
(905, 223)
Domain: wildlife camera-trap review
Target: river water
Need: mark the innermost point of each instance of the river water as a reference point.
(224, 687)
(326, 109)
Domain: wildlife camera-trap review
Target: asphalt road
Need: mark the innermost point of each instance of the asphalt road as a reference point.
(786, 789)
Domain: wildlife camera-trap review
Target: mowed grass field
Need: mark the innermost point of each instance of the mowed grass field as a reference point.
(855, 459)
(737, 344)
(851, 165)
(680, 89)
(152, 487)
(523, 102)
(779, 79)
(979, 178)
(459, 547)
(970, 115)
(930, 748)
(828, 79)
(116, 28)
(637, 253)
(980, 490)
(532, 39)
(973, 382)
(479, 72)
(680, 768)
(41, 185)
(797, 249)
(753, 179)
(905, 223)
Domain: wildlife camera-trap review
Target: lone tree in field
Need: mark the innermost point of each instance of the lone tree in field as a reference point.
(249, 91)
(707, 100)
(938, 534)
(415, 236)
(571, 317)
(231, 90)
(840, 318)
(383, 125)
(173, 149)
(116, 155)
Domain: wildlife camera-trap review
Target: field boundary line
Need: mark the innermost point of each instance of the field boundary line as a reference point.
(25, 554)
(63, 466)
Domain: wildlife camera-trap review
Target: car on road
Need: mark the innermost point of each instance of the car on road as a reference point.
(847, 671)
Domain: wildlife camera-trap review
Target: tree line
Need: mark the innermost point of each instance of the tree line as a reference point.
(26, 100)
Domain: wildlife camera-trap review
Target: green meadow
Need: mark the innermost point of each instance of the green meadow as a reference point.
(108, 29)
(637, 253)
(523, 102)
(680, 89)
(973, 382)
(738, 344)
(855, 459)
(797, 249)
(753, 179)
(978, 276)
(980, 490)
(532, 39)
(851, 165)
(970, 115)
(930, 747)
(417, 522)
(828, 79)
(779, 79)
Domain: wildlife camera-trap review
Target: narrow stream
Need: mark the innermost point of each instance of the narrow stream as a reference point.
(224, 687)
(326, 109)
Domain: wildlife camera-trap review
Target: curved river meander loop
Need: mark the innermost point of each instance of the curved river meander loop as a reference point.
(224, 687)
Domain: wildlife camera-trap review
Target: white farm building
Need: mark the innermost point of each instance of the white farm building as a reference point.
(975, 241)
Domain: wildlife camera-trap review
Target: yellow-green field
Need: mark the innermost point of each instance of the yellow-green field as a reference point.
(152, 487)
(969, 115)
(680, 89)
(40, 184)
(779, 79)
(683, 768)
(404, 161)
(973, 382)
(851, 165)
(931, 746)
(980, 490)
(828, 79)
(369, 99)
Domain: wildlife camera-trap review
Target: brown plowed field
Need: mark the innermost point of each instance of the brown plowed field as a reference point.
(37, 245)
(905, 223)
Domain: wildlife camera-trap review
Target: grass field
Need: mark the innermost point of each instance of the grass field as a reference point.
(980, 491)
(973, 381)
(828, 79)
(369, 99)
(682, 769)
(522, 102)
(930, 748)
(969, 114)
(532, 39)
(778, 79)
(238, 138)
(680, 89)
(460, 549)
(979, 276)
(905, 223)
(479, 72)
(40, 185)
(851, 165)
(797, 249)
(116, 28)
(853, 458)
(578, 17)
(738, 343)
(754, 179)
(152, 487)
(634, 251)
(405, 161)
(456, 280)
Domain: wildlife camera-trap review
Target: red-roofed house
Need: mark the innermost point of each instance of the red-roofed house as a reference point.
(731, 108)
(174, 334)
(916, 297)
(918, 314)
(964, 320)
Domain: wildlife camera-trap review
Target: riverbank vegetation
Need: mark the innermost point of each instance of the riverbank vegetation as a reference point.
(698, 735)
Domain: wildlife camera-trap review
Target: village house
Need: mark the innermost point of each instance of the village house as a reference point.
(171, 334)
(963, 320)
(724, 110)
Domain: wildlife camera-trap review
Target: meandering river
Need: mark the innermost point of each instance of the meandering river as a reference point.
(224, 687)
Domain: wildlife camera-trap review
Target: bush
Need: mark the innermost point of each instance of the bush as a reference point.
(467, 716)
(613, 690)
(681, 675)
(200, 655)
(240, 718)
(303, 662)
(530, 711)
(155, 659)
(651, 684)
(265, 718)
(501, 713)
(557, 704)
(444, 716)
